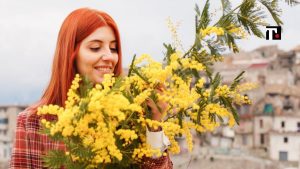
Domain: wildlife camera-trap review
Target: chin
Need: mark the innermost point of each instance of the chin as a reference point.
(99, 80)
(96, 79)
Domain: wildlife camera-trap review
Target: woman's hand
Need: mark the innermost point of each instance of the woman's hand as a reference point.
(158, 109)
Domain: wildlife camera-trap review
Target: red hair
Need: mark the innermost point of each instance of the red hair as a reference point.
(77, 26)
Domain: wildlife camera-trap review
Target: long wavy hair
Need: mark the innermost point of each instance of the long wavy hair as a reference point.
(77, 26)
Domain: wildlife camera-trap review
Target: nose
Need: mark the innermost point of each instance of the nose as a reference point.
(107, 54)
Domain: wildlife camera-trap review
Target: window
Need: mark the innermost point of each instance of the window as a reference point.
(282, 124)
(244, 140)
(4, 121)
(268, 109)
(261, 124)
(287, 104)
(285, 140)
(283, 156)
(262, 139)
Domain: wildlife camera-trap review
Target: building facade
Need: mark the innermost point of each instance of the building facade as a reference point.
(285, 138)
(8, 117)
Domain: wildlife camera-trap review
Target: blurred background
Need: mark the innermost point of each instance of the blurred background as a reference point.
(268, 136)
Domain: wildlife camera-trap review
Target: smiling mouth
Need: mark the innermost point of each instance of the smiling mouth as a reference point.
(104, 69)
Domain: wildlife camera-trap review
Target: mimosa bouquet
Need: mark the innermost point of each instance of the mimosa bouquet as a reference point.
(104, 125)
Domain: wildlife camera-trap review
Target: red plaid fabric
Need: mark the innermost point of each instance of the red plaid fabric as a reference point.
(30, 146)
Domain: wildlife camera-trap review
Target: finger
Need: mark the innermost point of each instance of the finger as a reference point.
(159, 91)
(163, 106)
(160, 106)
(160, 87)
(151, 104)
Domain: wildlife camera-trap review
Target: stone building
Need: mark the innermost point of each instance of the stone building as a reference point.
(244, 131)
(285, 138)
(8, 117)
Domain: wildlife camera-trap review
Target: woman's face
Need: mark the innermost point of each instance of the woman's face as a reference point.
(98, 54)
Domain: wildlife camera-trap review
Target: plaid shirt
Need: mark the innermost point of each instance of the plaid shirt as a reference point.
(30, 146)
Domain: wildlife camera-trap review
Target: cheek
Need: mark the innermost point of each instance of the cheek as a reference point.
(84, 62)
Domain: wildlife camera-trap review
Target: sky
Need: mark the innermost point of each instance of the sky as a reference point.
(29, 29)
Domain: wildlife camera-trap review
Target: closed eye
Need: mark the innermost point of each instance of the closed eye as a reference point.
(114, 50)
(95, 49)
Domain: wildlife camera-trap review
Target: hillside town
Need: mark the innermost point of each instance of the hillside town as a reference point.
(268, 134)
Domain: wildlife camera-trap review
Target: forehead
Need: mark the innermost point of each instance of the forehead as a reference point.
(104, 34)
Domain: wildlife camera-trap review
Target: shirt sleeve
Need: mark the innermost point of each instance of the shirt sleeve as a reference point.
(30, 145)
(20, 155)
(157, 140)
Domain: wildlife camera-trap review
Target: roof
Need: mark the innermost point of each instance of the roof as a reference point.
(263, 48)
(283, 89)
(12, 105)
(246, 116)
(269, 50)
(286, 54)
(258, 65)
(297, 48)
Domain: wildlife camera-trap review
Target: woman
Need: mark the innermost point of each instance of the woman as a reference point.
(88, 44)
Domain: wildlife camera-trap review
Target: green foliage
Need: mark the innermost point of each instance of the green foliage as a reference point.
(249, 15)
(131, 65)
(226, 6)
(55, 159)
(236, 81)
(214, 84)
(170, 51)
(273, 9)
(85, 88)
(205, 17)
(292, 2)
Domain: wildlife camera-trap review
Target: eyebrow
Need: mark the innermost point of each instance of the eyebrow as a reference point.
(96, 40)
